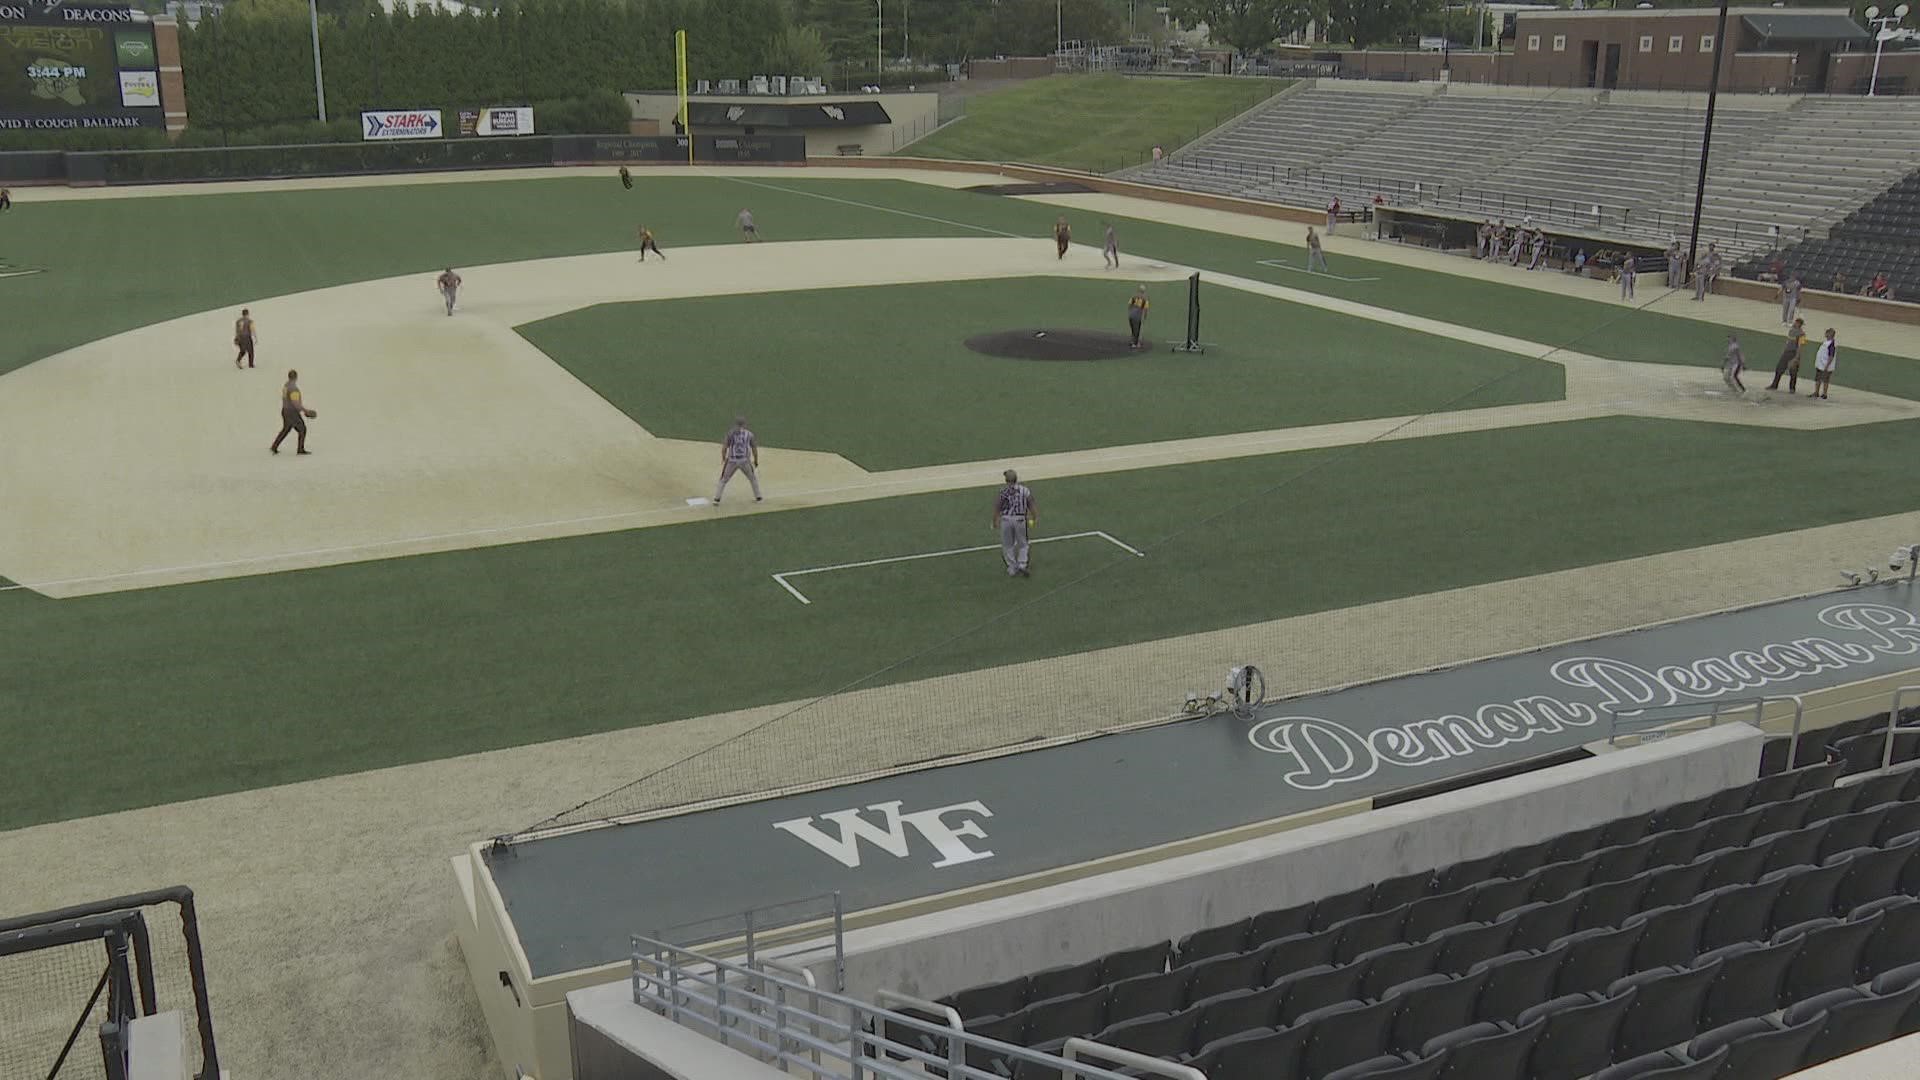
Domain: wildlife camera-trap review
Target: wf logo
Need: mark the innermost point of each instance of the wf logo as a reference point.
(945, 828)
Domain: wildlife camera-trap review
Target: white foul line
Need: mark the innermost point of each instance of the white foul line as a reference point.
(781, 577)
(1282, 264)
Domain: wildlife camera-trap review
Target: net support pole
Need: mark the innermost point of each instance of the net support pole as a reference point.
(319, 81)
(1706, 138)
(1192, 344)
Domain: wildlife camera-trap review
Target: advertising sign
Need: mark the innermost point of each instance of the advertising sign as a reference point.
(140, 89)
(400, 124)
(508, 121)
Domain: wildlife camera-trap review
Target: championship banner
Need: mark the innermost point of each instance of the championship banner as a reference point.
(507, 121)
(77, 66)
(400, 124)
(680, 83)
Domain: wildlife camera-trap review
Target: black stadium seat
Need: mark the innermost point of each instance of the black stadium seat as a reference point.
(1749, 980)
(1316, 988)
(1346, 1033)
(1671, 934)
(1433, 1005)
(1366, 933)
(997, 999)
(1739, 913)
(1897, 941)
(1061, 981)
(1829, 954)
(1256, 1056)
(1241, 1010)
(1486, 1051)
(1299, 952)
(1431, 914)
(1666, 1008)
(1052, 1022)
(1578, 1037)
(1595, 958)
(1394, 964)
(1391, 1067)
(1274, 925)
(1129, 963)
(1661, 1065)
(1215, 941)
(1873, 872)
(1235, 971)
(1341, 907)
(1145, 994)
(1806, 892)
(1516, 981)
(1758, 1049)
(1467, 944)
(1855, 1020)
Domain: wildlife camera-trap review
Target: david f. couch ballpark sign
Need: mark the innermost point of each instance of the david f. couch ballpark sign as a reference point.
(400, 124)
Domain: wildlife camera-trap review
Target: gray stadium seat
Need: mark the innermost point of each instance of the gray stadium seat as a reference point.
(1316, 988)
(1578, 1037)
(1806, 892)
(1661, 1065)
(1828, 957)
(1486, 1051)
(1758, 1049)
(1595, 958)
(1391, 1067)
(1749, 980)
(1433, 1005)
(1346, 1033)
(1465, 945)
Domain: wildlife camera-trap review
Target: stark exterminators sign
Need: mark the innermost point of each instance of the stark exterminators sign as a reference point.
(400, 124)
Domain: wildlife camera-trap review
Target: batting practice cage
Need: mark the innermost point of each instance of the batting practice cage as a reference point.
(88, 991)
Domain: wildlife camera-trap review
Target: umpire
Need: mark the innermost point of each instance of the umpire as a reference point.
(1012, 513)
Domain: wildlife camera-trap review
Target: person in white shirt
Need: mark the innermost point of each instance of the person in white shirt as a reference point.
(1823, 362)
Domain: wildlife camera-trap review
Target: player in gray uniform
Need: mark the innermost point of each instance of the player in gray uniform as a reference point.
(1012, 513)
(1627, 274)
(1676, 266)
(1110, 251)
(748, 230)
(1733, 364)
(1708, 274)
(1789, 298)
(739, 452)
(1316, 258)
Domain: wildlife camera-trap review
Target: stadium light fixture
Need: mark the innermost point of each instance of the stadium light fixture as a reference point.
(1883, 33)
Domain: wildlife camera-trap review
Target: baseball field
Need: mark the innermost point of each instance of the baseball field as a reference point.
(498, 587)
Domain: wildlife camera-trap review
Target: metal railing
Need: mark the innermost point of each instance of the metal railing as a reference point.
(783, 1020)
(1894, 728)
(752, 932)
(1712, 712)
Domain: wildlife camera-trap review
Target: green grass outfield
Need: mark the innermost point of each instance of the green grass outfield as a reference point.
(146, 697)
(1099, 123)
(853, 371)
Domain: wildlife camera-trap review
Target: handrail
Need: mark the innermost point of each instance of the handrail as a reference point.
(671, 980)
(1713, 711)
(1129, 1058)
(1893, 723)
(780, 1005)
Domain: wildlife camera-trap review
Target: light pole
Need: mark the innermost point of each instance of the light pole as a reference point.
(878, 40)
(1059, 27)
(1885, 25)
(319, 83)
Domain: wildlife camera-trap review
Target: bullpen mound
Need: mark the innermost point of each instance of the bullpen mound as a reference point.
(1055, 344)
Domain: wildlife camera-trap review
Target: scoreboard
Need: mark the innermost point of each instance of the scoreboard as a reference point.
(67, 66)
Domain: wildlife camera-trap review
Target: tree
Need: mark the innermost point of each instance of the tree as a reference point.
(1368, 22)
(797, 50)
(1248, 25)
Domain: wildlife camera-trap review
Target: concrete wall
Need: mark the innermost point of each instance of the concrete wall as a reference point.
(1011, 67)
(614, 1039)
(1846, 70)
(1888, 1061)
(914, 114)
(998, 939)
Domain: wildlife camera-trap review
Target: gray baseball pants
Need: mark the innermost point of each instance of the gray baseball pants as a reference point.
(1013, 542)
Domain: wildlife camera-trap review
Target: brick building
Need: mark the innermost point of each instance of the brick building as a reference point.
(1787, 50)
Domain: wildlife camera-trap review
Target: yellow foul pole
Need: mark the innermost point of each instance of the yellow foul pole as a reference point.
(680, 80)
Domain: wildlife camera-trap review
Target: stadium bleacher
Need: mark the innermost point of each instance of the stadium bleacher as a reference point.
(1745, 934)
(1780, 173)
(1881, 237)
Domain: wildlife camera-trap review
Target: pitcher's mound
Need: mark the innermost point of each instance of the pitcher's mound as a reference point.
(1056, 344)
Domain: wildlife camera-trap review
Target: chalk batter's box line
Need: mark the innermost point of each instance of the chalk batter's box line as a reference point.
(1282, 264)
(781, 577)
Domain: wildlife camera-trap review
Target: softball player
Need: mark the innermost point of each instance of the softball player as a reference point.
(1012, 513)
(739, 452)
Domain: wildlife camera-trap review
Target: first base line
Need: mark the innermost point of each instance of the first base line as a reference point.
(1281, 264)
(781, 577)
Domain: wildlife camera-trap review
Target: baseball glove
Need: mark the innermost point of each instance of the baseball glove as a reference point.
(312, 413)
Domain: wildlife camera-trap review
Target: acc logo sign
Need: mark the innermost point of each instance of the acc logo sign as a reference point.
(834, 111)
(735, 112)
(944, 828)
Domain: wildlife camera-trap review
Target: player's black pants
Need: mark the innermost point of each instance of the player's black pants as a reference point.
(653, 247)
(1133, 325)
(1789, 366)
(245, 346)
(291, 420)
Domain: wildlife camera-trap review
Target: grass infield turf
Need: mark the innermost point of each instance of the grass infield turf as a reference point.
(148, 697)
(1094, 122)
(854, 371)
